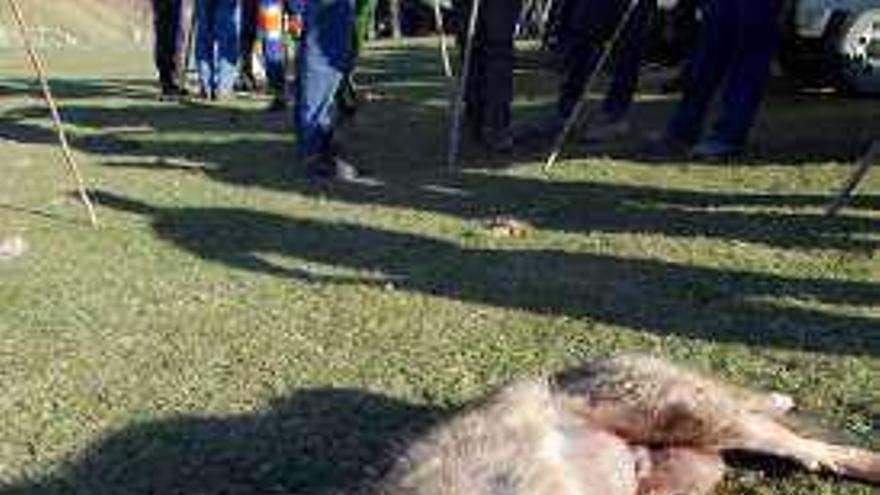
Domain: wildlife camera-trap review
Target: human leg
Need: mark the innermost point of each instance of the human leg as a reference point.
(707, 69)
(205, 57)
(227, 24)
(324, 56)
(757, 29)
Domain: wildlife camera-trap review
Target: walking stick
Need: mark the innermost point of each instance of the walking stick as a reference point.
(461, 87)
(575, 116)
(56, 117)
(441, 31)
(863, 165)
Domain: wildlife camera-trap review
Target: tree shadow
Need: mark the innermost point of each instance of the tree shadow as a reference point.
(650, 296)
(319, 441)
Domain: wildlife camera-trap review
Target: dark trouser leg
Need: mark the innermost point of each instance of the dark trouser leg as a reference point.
(708, 68)
(758, 35)
(629, 59)
(489, 88)
(496, 87)
(325, 55)
(167, 31)
(249, 17)
(473, 94)
(272, 35)
(583, 33)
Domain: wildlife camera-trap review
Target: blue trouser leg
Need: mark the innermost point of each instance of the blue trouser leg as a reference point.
(629, 60)
(708, 67)
(217, 44)
(272, 36)
(227, 26)
(325, 55)
(750, 69)
(205, 60)
(167, 33)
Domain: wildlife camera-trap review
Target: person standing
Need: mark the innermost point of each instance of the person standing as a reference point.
(168, 40)
(217, 46)
(735, 48)
(273, 37)
(489, 88)
(584, 32)
(324, 57)
(250, 11)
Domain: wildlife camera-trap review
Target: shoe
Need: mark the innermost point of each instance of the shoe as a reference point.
(246, 83)
(498, 140)
(329, 166)
(205, 94)
(607, 130)
(715, 149)
(542, 130)
(172, 92)
(665, 148)
(278, 104)
(223, 95)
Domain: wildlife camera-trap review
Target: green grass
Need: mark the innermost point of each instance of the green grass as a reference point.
(233, 329)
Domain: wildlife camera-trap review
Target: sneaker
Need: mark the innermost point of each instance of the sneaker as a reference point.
(607, 130)
(715, 149)
(328, 166)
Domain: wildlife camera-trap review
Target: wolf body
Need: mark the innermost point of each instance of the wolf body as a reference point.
(627, 425)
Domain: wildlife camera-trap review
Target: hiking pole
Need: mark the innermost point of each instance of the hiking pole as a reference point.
(56, 116)
(575, 116)
(461, 87)
(441, 31)
(863, 165)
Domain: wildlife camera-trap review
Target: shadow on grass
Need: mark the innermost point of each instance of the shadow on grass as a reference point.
(320, 441)
(80, 88)
(650, 296)
(414, 177)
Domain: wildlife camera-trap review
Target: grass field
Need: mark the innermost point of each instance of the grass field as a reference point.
(233, 329)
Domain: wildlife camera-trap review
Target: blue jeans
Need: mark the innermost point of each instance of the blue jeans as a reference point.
(217, 44)
(325, 55)
(167, 33)
(736, 44)
(587, 26)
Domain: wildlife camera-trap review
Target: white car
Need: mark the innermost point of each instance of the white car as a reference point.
(834, 41)
(823, 41)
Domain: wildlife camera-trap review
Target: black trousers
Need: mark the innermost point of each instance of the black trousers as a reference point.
(168, 34)
(489, 87)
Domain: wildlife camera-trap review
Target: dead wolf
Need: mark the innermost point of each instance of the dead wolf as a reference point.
(626, 425)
